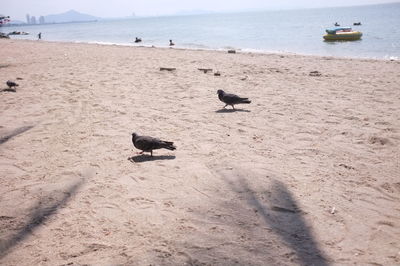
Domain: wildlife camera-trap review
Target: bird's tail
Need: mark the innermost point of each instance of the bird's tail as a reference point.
(245, 100)
(169, 145)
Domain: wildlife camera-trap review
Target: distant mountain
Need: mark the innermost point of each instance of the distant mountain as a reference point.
(69, 16)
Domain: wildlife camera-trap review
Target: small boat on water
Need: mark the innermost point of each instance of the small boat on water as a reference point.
(342, 34)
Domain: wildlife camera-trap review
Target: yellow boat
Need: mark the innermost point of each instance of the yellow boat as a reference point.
(342, 34)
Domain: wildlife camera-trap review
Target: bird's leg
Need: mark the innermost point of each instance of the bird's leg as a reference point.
(140, 152)
(225, 106)
(233, 107)
(151, 153)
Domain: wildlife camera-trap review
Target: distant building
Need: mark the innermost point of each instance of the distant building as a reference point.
(41, 20)
(33, 20)
(28, 19)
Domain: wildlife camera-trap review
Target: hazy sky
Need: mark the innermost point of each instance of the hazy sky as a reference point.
(17, 9)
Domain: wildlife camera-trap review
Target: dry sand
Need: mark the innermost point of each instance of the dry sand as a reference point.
(308, 173)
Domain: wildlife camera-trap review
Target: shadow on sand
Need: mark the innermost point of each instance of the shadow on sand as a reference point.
(286, 220)
(8, 90)
(145, 158)
(16, 132)
(44, 209)
(221, 111)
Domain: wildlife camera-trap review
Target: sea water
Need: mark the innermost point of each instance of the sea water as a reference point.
(288, 31)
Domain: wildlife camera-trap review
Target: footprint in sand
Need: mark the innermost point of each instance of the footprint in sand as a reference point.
(378, 140)
(384, 123)
(387, 223)
(169, 204)
(391, 188)
(162, 253)
(141, 200)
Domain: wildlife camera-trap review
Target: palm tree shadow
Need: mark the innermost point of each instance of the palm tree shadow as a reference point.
(223, 110)
(287, 221)
(41, 212)
(14, 133)
(146, 158)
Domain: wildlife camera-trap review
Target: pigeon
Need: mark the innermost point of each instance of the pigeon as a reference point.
(148, 144)
(12, 84)
(231, 99)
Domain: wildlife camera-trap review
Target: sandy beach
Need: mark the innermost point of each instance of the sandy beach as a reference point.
(307, 174)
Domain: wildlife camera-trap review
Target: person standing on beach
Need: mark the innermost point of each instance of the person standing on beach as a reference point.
(39, 36)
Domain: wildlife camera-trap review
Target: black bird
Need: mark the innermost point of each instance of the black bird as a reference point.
(138, 40)
(12, 84)
(148, 144)
(231, 99)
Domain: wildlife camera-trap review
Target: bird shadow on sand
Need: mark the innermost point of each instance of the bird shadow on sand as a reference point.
(8, 90)
(45, 208)
(221, 111)
(146, 158)
(14, 133)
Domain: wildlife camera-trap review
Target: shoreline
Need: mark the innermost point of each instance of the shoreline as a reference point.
(222, 50)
